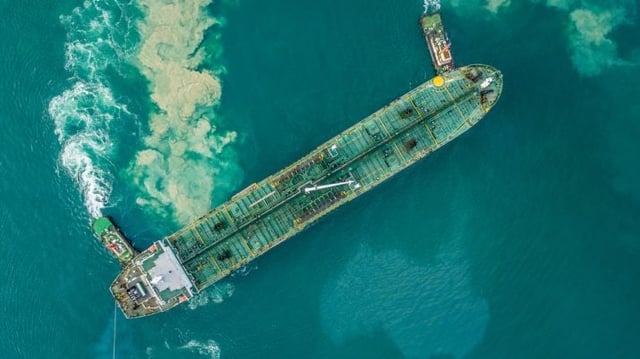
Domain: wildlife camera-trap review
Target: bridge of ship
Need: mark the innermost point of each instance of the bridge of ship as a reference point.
(272, 210)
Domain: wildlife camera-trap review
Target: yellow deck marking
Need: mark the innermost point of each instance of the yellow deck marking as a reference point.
(426, 125)
(457, 106)
(228, 215)
(398, 151)
(246, 245)
(415, 107)
(197, 232)
(385, 127)
(213, 260)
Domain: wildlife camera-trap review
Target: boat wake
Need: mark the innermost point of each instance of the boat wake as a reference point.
(431, 6)
(209, 349)
(216, 294)
(83, 114)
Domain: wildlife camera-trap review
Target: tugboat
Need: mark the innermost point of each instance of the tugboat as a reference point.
(114, 240)
(437, 42)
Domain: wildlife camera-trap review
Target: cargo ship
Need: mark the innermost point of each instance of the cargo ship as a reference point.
(174, 269)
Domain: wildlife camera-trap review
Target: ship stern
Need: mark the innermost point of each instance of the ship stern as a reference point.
(152, 283)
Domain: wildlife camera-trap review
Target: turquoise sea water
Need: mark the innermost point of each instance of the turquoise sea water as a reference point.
(521, 239)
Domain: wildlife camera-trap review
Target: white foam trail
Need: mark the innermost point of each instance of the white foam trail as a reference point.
(209, 349)
(216, 294)
(184, 154)
(431, 6)
(245, 270)
(81, 125)
(83, 113)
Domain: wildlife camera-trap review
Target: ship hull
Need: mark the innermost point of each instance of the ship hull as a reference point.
(268, 212)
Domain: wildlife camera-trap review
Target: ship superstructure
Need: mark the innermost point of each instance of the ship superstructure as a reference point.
(268, 212)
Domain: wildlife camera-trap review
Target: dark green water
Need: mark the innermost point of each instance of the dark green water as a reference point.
(520, 239)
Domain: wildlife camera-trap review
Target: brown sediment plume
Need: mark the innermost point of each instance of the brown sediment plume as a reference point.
(592, 49)
(176, 170)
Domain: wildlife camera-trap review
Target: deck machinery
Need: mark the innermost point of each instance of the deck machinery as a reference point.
(268, 212)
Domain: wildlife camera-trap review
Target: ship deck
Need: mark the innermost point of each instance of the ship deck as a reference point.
(272, 210)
